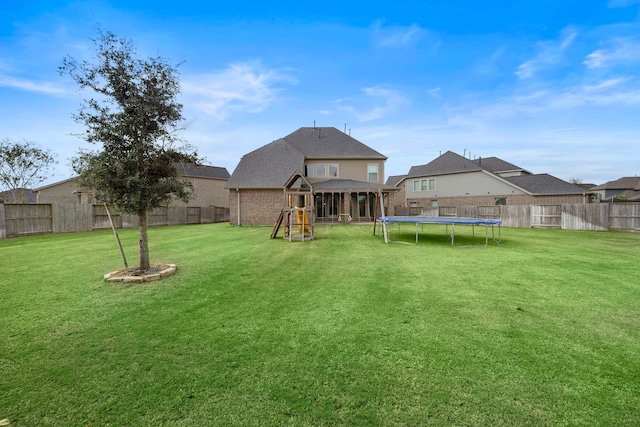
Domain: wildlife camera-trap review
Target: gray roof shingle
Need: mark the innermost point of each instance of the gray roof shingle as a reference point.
(624, 183)
(394, 180)
(271, 165)
(448, 162)
(329, 143)
(496, 165)
(203, 171)
(544, 184)
(267, 167)
(451, 162)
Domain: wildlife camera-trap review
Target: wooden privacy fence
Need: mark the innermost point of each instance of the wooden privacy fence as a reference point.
(595, 216)
(20, 220)
(27, 219)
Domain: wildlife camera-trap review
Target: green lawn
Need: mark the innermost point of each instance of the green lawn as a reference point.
(543, 329)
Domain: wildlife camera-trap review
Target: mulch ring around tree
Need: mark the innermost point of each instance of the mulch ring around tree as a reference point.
(135, 275)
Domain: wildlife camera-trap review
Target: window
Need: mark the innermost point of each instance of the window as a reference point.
(308, 171)
(321, 170)
(333, 171)
(434, 203)
(501, 201)
(372, 172)
(424, 184)
(362, 205)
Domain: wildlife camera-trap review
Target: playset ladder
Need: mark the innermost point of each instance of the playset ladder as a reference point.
(276, 227)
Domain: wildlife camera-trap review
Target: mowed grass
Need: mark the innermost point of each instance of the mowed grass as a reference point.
(543, 329)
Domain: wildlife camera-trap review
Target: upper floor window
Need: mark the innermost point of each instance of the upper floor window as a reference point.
(308, 171)
(372, 172)
(424, 184)
(321, 170)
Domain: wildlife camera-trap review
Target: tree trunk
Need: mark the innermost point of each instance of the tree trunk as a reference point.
(144, 242)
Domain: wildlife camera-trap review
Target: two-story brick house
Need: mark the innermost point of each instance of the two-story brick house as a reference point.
(346, 176)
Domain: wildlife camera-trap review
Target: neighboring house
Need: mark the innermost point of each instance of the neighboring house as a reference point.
(66, 191)
(19, 195)
(208, 185)
(626, 189)
(453, 180)
(345, 174)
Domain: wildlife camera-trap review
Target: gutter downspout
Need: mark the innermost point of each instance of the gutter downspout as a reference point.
(238, 192)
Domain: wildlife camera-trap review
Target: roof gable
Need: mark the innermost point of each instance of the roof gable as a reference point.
(448, 162)
(329, 143)
(268, 166)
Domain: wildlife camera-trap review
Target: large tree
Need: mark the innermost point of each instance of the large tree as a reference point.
(22, 166)
(135, 117)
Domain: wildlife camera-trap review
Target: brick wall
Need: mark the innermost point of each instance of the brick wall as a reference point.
(257, 207)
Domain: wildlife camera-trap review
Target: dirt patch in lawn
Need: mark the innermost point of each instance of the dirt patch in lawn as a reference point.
(135, 275)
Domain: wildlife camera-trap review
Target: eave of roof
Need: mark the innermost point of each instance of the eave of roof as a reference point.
(344, 185)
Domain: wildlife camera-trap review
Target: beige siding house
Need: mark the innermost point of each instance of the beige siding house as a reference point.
(453, 180)
(625, 189)
(346, 176)
(208, 184)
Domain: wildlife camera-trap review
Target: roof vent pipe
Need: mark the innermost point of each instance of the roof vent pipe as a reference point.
(314, 124)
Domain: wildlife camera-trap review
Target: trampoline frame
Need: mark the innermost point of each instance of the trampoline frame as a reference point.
(446, 220)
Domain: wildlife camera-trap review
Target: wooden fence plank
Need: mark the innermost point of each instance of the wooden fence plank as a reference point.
(585, 217)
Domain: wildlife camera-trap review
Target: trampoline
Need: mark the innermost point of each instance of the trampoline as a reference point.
(446, 220)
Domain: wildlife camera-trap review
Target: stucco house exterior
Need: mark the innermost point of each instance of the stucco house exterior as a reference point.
(625, 189)
(454, 180)
(208, 185)
(346, 176)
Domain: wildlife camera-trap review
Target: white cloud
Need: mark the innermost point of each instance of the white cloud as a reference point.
(620, 92)
(619, 51)
(49, 88)
(435, 92)
(549, 53)
(243, 87)
(396, 36)
(385, 102)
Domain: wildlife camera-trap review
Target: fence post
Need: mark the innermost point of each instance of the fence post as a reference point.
(3, 223)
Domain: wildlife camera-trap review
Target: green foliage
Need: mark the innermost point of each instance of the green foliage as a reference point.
(135, 118)
(342, 330)
(23, 165)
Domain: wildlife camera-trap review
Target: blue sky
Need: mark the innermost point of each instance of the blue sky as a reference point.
(550, 85)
